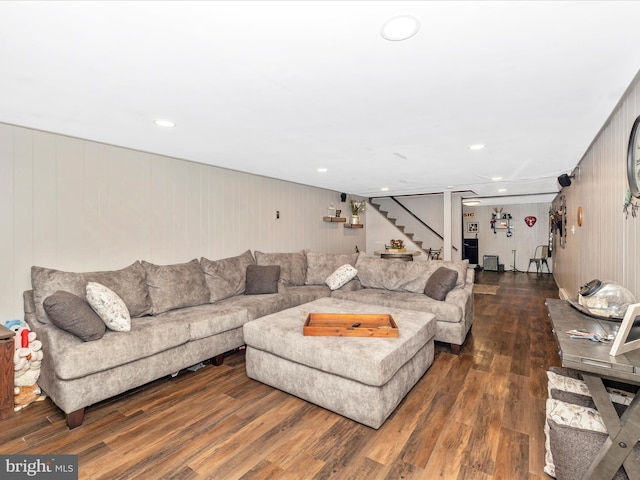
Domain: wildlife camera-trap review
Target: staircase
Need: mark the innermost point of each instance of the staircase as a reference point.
(401, 228)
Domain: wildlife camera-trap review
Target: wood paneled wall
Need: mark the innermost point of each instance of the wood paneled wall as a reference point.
(606, 245)
(78, 205)
(524, 239)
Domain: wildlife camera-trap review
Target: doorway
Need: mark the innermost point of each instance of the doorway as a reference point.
(470, 250)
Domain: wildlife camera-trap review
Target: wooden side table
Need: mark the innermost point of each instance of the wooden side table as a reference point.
(7, 350)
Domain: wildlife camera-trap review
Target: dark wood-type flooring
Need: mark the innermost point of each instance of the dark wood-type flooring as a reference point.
(477, 415)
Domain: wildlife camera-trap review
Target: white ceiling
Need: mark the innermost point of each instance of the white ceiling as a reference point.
(283, 88)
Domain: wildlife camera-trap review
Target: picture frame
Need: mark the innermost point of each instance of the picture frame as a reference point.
(628, 337)
(472, 227)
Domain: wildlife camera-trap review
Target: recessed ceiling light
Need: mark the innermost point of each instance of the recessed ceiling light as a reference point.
(164, 123)
(449, 187)
(502, 189)
(322, 170)
(496, 179)
(400, 27)
(477, 146)
(470, 203)
(385, 189)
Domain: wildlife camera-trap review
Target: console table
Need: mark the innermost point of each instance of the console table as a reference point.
(406, 256)
(593, 361)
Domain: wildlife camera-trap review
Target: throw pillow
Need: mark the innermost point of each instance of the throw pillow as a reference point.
(440, 283)
(262, 279)
(72, 314)
(341, 276)
(460, 266)
(227, 277)
(176, 286)
(293, 266)
(109, 307)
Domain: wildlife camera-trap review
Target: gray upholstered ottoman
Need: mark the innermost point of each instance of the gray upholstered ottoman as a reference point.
(360, 378)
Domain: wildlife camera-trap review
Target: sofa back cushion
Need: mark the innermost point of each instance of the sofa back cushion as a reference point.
(176, 286)
(321, 265)
(227, 277)
(293, 266)
(128, 283)
(376, 272)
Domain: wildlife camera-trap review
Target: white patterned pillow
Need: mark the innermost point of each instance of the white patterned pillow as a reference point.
(109, 307)
(341, 276)
(569, 415)
(566, 384)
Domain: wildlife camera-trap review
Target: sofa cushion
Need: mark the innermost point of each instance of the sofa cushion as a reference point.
(341, 276)
(206, 320)
(176, 286)
(299, 294)
(460, 266)
(128, 283)
(440, 283)
(262, 279)
(72, 314)
(109, 307)
(321, 265)
(258, 305)
(76, 359)
(443, 311)
(376, 272)
(227, 277)
(293, 266)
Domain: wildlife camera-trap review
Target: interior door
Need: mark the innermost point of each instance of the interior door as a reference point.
(470, 250)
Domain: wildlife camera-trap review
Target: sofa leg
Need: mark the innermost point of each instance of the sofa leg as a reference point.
(74, 419)
(455, 348)
(218, 360)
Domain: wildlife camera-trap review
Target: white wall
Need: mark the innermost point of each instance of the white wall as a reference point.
(606, 245)
(524, 239)
(78, 205)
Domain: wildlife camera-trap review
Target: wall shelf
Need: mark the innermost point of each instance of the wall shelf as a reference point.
(353, 225)
(334, 219)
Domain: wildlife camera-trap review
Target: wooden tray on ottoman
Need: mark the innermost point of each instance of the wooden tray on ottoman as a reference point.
(350, 325)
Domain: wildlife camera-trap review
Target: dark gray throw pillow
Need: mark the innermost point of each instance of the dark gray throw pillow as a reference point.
(72, 314)
(262, 279)
(440, 283)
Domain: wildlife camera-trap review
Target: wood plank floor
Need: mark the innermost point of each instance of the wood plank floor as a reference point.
(478, 415)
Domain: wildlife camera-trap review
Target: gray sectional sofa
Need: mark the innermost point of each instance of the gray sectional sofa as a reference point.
(187, 313)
